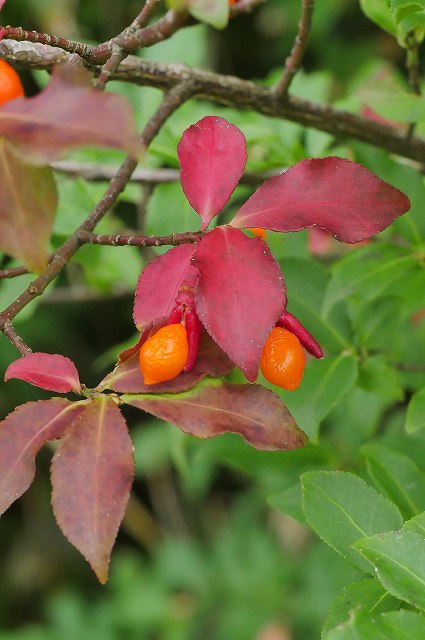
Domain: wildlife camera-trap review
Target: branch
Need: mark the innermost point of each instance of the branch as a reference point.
(123, 240)
(118, 54)
(293, 61)
(16, 340)
(170, 103)
(242, 94)
(105, 172)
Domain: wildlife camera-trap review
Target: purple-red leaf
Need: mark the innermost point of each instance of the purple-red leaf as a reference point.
(69, 113)
(212, 156)
(240, 294)
(127, 377)
(92, 473)
(45, 370)
(28, 201)
(216, 407)
(22, 434)
(159, 284)
(332, 193)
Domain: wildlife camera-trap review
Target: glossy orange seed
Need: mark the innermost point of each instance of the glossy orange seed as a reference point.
(257, 231)
(164, 355)
(282, 359)
(10, 83)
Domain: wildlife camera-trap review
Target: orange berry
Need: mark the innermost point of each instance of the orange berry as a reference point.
(260, 233)
(10, 83)
(164, 355)
(282, 359)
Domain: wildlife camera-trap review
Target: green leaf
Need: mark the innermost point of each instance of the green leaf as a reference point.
(399, 560)
(377, 375)
(289, 501)
(341, 508)
(394, 625)
(397, 476)
(168, 211)
(415, 417)
(401, 9)
(213, 12)
(306, 282)
(368, 272)
(324, 385)
(416, 524)
(390, 101)
(379, 12)
(366, 595)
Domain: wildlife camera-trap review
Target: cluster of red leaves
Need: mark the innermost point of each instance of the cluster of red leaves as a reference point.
(239, 295)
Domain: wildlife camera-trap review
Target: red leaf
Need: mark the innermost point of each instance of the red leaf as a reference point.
(28, 201)
(53, 372)
(240, 294)
(216, 407)
(159, 284)
(127, 378)
(69, 113)
(212, 156)
(92, 473)
(22, 434)
(332, 193)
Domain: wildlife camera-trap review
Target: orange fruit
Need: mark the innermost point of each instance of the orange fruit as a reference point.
(10, 83)
(282, 359)
(164, 355)
(257, 231)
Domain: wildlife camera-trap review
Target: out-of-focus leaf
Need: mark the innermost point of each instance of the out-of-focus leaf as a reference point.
(398, 558)
(159, 284)
(379, 12)
(341, 508)
(397, 476)
(240, 294)
(212, 154)
(215, 407)
(368, 273)
(45, 370)
(402, 9)
(324, 384)
(366, 595)
(213, 12)
(377, 375)
(89, 505)
(394, 625)
(22, 434)
(415, 417)
(28, 201)
(289, 502)
(66, 115)
(332, 193)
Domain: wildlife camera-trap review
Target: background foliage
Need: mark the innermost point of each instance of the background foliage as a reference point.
(215, 542)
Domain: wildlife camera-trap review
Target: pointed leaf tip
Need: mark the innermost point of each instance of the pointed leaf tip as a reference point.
(89, 505)
(47, 371)
(214, 407)
(212, 155)
(333, 193)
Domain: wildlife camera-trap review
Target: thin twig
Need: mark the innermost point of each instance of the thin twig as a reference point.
(293, 61)
(118, 54)
(124, 240)
(172, 100)
(16, 340)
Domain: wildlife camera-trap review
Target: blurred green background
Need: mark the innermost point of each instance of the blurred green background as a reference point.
(202, 554)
